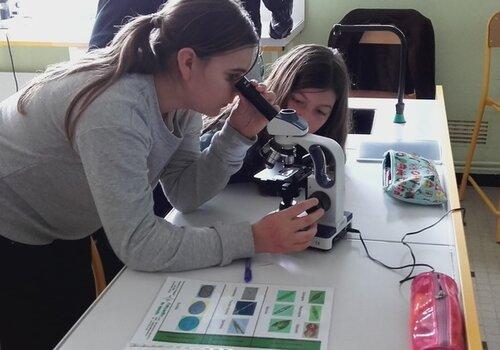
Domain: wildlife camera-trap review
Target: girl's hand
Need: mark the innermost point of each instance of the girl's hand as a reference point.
(285, 231)
(245, 118)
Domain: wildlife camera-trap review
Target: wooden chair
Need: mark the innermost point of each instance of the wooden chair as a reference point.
(97, 268)
(492, 41)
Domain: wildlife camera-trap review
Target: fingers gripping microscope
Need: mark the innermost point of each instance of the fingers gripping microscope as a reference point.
(288, 130)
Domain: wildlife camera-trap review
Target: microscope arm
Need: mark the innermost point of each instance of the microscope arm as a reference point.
(336, 193)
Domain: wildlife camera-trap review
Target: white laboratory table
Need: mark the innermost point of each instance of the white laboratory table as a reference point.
(370, 309)
(391, 218)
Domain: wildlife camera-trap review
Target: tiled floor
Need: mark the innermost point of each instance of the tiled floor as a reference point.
(484, 255)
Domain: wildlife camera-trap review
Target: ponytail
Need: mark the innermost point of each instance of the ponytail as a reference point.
(146, 44)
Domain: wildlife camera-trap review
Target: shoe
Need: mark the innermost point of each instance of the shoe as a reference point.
(281, 22)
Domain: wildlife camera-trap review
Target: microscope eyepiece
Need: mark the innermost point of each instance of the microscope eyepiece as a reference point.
(245, 87)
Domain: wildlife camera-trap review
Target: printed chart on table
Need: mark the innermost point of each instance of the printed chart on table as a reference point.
(193, 314)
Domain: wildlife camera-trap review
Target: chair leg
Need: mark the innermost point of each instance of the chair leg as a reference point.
(472, 149)
(97, 268)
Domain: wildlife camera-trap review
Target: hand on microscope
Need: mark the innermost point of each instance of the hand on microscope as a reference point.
(287, 231)
(245, 118)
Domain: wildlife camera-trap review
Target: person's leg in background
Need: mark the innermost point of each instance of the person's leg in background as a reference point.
(253, 9)
(45, 289)
(281, 21)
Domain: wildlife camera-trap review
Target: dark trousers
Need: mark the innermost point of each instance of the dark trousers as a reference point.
(253, 9)
(44, 290)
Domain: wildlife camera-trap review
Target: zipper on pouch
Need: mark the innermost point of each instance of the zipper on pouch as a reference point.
(442, 319)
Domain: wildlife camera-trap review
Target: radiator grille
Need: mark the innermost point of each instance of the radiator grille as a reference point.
(461, 131)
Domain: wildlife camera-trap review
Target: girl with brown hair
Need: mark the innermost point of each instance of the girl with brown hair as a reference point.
(313, 80)
(82, 146)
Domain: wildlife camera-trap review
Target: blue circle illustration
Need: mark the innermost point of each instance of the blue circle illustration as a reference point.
(197, 308)
(188, 323)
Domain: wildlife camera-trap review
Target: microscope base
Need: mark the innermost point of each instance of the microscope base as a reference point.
(327, 235)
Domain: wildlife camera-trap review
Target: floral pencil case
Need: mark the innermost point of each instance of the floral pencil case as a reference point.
(411, 178)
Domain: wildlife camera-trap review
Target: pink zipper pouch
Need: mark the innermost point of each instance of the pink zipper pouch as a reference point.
(435, 316)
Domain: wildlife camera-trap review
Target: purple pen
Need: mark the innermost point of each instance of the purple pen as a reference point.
(248, 270)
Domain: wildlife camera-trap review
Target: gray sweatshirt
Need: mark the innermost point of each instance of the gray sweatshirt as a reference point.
(52, 189)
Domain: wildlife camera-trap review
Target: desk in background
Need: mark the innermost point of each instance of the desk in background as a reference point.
(369, 306)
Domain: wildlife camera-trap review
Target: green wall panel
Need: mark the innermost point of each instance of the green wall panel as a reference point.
(31, 59)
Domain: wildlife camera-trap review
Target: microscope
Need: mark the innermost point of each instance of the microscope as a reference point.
(289, 131)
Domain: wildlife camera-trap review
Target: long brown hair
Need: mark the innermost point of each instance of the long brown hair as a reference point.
(318, 67)
(148, 44)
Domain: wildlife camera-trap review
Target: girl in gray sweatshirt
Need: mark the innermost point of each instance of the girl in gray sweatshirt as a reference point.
(82, 146)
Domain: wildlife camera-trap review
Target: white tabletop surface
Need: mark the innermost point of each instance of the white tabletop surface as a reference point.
(381, 217)
(377, 215)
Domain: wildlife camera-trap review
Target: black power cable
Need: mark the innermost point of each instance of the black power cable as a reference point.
(414, 263)
(12, 62)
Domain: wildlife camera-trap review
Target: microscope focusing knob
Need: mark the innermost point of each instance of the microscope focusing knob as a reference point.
(324, 201)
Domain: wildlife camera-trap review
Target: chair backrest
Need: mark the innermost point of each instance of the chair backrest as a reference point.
(494, 30)
(373, 57)
(376, 37)
(492, 41)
